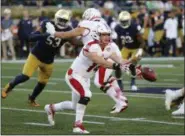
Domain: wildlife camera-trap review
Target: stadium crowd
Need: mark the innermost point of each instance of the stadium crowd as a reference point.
(162, 25)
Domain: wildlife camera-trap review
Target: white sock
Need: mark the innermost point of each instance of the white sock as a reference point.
(182, 106)
(112, 94)
(80, 110)
(179, 93)
(65, 105)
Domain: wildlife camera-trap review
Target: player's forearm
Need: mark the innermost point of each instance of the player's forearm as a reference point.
(69, 34)
(116, 58)
(37, 36)
(63, 35)
(102, 62)
(141, 41)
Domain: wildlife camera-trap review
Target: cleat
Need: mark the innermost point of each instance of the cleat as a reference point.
(169, 97)
(79, 128)
(177, 101)
(134, 88)
(32, 102)
(123, 99)
(4, 94)
(180, 111)
(5, 91)
(51, 113)
(119, 108)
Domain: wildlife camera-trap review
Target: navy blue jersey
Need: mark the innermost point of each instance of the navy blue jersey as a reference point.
(128, 36)
(47, 46)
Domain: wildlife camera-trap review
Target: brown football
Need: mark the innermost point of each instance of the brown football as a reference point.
(149, 74)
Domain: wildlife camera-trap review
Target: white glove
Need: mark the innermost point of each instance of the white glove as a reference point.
(125, 67)
(50, 28)
(139, 52)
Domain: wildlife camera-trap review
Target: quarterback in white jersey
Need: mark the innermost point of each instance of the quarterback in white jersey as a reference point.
(85, 65)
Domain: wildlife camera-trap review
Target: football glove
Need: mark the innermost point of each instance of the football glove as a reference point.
(125, 67)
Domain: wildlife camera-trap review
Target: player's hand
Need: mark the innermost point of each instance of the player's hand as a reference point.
(139, 72)
(116, 66)
(125, 67)
(50, 28)
(137, 56)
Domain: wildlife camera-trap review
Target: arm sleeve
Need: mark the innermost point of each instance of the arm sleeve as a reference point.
(116, 29)
(35, 36)
(166, 24)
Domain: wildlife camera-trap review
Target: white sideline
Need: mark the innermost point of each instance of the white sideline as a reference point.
(178, 117)
(71, 60)
(93, 122)
(144, 65)
(99, 116)
(48, 125)
(38, 124)
(125, 82)
(158, 65)
(69, 92)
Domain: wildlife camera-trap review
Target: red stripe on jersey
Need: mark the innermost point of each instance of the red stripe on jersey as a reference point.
(93, 42)
(95, 17)
(101, 75)
(86, 50)
(90, 44)
(91, 67)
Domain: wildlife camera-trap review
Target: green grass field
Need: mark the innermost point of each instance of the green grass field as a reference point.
(146, 113)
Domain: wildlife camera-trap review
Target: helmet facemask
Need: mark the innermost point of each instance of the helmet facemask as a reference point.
(61, 22)
(125, 23)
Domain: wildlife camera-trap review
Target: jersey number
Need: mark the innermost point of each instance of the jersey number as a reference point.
(126, 39)
(54, 42)
(94, 67)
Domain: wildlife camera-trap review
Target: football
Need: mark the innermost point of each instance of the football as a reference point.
(149, 74)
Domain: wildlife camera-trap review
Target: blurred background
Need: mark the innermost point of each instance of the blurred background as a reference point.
(20, 17)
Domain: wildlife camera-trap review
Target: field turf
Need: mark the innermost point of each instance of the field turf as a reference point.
(145, 115)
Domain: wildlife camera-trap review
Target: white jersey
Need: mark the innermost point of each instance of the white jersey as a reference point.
(90, 33)
(82, 64)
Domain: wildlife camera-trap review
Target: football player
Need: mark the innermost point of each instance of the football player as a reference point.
(103, 79)
(130, 41)
(175, 98)
(41, 56)
(84, 66)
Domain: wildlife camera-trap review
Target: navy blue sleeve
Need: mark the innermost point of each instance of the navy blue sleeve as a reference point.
(117, 29)
(35, 36)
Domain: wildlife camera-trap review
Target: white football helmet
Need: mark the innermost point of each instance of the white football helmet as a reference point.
(62, 18)
(91, 13)
(124, 19)
(103, 29)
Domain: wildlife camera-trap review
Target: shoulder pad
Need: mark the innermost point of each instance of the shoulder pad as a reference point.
(43, 24)
(85, 23)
